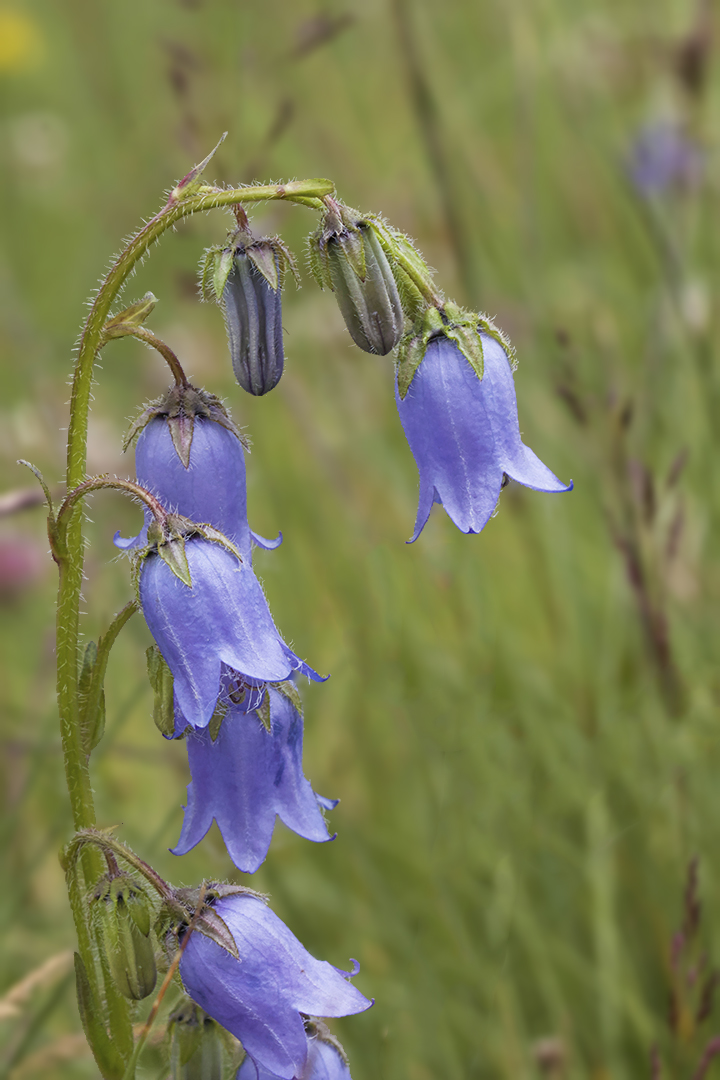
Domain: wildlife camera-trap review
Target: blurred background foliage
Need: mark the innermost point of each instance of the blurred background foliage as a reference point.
(523, 726)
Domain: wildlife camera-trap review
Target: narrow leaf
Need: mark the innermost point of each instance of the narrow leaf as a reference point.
(172, 552)
(181, 429)
(109, 1060)
(265, 261)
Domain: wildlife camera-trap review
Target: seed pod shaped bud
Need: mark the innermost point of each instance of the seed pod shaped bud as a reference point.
(125, 915)
(361, 278)
(197, 1046)
(253, 317)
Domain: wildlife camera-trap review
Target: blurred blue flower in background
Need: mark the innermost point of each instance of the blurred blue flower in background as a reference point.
(662, 156)
(464, 434)
(245, 778)
(260, 997)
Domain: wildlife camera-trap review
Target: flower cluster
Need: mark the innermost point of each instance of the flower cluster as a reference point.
(234, 703)
(223, 675)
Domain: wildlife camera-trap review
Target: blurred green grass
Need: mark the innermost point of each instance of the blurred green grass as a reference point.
(519, 804)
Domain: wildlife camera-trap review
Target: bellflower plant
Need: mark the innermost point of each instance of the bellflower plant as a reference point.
(249, 774)
(464, 434)
(262, 997)
(219, 667)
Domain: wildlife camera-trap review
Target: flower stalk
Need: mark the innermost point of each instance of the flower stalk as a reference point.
(111, 1044)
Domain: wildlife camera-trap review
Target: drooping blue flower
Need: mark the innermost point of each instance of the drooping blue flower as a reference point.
(220, 622)
(464, 434)
(260, 997)
(247, 777)
(664, 156)
(211, 489)
(324, 1062)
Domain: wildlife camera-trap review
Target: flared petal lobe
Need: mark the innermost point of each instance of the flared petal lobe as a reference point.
(222, 619)
(464, 434)
(260, 997)
(247, 777)
(324, 1062)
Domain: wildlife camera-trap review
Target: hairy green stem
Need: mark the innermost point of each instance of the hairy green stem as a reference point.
(65, 530)
(143, 334)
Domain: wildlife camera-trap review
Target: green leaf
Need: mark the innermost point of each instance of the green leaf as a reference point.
(216, 720)
(161, 681)
(191, 180)
(181, 429)
(468, 342)
(266, 262)
(289, 690)
(410, 353)
(172, 552)
(108, 1058)
(223, 264)
(318, 262)
(132, 316)
(263, 712)
(209, 532)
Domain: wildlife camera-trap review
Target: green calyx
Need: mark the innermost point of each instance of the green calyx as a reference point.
(200, 1049)
(193, 908)
(180, 406)
(459, 325)
(167, 539)
(270, 255)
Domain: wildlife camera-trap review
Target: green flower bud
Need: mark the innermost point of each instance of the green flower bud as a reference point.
(126, 922)
(346, 254)
(197, 1050)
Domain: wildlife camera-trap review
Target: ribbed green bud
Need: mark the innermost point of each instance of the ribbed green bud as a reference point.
(346, 254)
(197, 1048)
(126, 921)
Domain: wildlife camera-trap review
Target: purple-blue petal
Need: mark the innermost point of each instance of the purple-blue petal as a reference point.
(450, 434)
(247, 777)
(259, 998)
(223, 619)
(268, 545)
(212, 489)
(464, 434)
(127, 544)
(324, 1062)
(498, 390)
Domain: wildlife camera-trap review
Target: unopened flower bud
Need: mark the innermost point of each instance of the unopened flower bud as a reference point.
(348, 256)
(197, 1046)
(253, 317)
(125, 915)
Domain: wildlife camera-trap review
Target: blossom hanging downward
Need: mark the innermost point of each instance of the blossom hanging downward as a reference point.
(190, 455)
(325, 1060)
(260, 997)
(249, 775)
(221, 619)
(464, 434)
